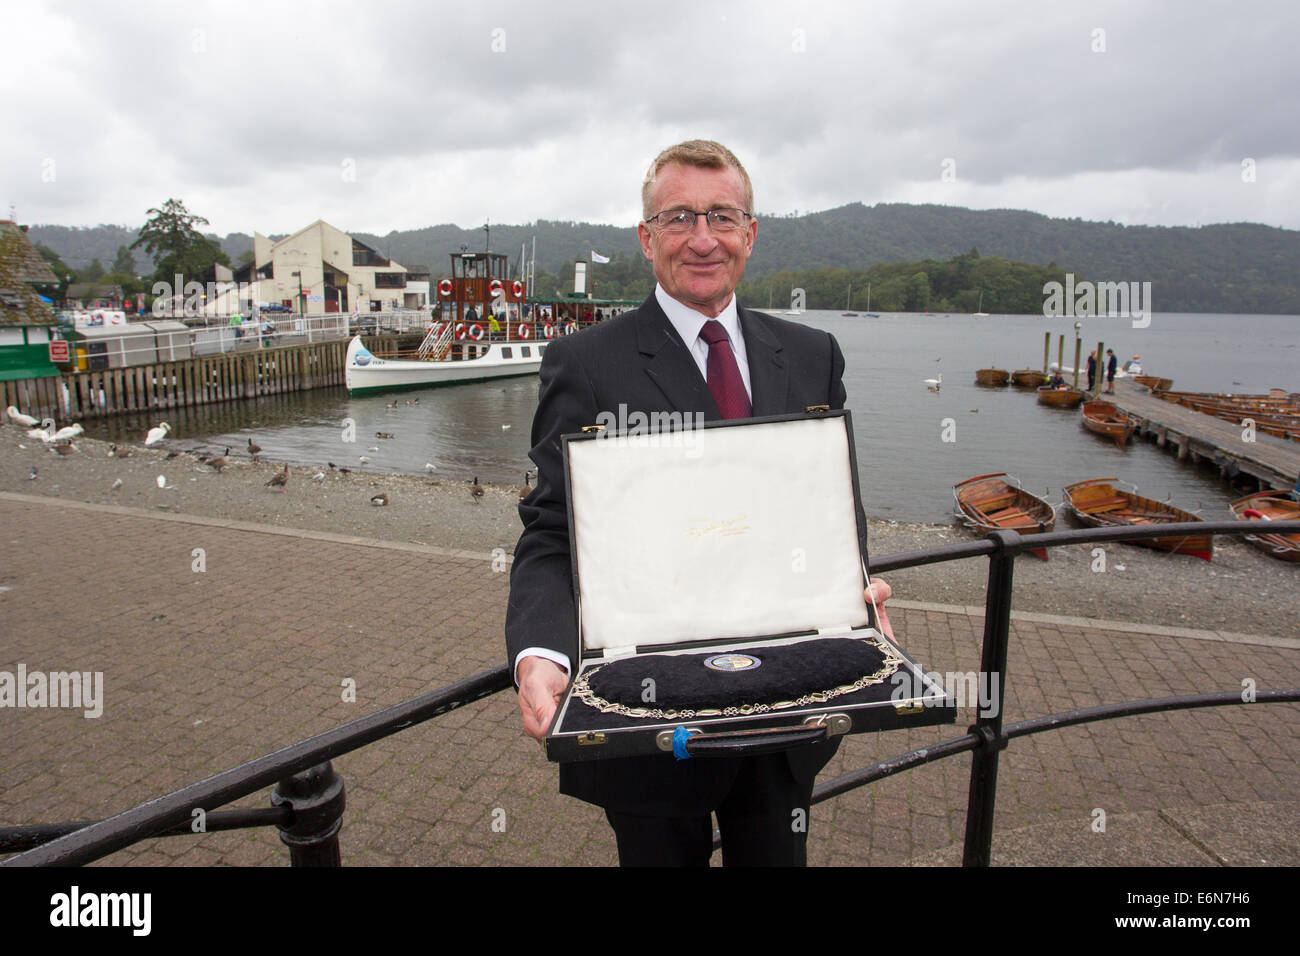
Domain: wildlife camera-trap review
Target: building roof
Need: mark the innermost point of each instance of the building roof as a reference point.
(21, 267)
(23, 257)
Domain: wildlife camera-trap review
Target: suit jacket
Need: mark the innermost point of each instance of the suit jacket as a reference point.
(640, 361)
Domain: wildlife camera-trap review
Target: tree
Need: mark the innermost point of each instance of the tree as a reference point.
(176, 246)
(124, 262)
(57, 265)
(93, 272)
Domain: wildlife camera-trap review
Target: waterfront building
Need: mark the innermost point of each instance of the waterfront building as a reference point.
(27, 323)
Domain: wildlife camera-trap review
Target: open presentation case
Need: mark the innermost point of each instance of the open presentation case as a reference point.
(719, 576)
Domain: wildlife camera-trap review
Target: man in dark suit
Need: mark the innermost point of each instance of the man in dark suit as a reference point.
(689, 348)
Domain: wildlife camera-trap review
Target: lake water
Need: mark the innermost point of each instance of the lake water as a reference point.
(907, 471)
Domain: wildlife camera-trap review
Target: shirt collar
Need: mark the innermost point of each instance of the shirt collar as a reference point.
(688, 322)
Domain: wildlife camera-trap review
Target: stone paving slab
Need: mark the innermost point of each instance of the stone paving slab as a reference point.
(208, 666)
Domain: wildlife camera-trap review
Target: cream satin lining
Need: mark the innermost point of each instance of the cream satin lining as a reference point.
(717, 533)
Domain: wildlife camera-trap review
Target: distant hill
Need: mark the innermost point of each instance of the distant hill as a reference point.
(1239, 267)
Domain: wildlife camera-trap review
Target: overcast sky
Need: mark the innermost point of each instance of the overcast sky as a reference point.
(389, 115)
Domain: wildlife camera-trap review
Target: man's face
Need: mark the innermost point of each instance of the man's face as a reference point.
(699, 268)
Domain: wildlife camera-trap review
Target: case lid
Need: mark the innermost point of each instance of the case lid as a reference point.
(731, 531)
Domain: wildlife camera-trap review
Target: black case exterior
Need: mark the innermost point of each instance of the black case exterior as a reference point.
(581, 732)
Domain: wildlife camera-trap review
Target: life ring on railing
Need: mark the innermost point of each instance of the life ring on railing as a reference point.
(476, 332)
(569, 328)
(495, 288)
(444, 287)
(524, 331)
(548, 330)
(517, 289)
(460, 330)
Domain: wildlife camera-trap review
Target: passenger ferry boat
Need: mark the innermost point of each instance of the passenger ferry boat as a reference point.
(485, 326)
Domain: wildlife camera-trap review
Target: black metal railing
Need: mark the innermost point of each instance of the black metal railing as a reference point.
(308, 799)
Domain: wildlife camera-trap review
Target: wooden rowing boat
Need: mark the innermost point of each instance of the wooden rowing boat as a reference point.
(1265, 506)
(996, 501)
(1099, 503)
(1028, 378)
(1103, 418)
(1060, 397)
(996, 377)
(1154, 383)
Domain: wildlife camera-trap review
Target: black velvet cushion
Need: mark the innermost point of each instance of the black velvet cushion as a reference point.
(786, 673)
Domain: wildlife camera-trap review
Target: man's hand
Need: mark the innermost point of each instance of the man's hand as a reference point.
(541, 685)
(881, 592)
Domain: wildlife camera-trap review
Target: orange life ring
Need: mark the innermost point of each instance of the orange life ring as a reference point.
(517, 288)
(460, 330)
(444, 287)
(495, 288)
(524, 331)
(476, 332)
(548, 330)
(1252, 513)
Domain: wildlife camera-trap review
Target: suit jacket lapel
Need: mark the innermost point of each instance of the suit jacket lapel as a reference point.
(669, 364)
(769, 376)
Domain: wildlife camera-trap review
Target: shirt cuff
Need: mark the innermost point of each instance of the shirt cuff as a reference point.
(555, 656)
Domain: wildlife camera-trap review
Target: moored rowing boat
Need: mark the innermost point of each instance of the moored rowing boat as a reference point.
(1264, 506)
(1060, 397)
(996, 501)
(996, 377)
(1103, 418)
(1028, 378)
(1099, 503)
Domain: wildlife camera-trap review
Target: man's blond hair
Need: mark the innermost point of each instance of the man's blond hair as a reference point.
(704, 153)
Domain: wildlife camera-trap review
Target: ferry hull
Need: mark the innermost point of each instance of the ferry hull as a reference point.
(365, 374)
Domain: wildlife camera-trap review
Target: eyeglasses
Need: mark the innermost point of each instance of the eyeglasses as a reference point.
(683, 220)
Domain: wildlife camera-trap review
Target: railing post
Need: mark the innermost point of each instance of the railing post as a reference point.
(988, 722)
(316, 798)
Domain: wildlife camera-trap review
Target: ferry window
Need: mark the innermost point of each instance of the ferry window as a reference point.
(541, 349)
(525, 351)
(506, 351)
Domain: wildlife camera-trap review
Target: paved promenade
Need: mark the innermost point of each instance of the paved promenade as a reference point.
(222, 641)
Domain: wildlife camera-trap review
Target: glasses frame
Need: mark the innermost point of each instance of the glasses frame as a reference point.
(695, 217)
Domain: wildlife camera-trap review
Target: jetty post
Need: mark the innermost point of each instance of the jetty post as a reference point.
(1047, 348)
(1078, 352)
(1101, 371)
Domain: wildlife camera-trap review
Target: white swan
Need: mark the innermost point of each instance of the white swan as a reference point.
(157, 434)
(45, 433)
(16, 416)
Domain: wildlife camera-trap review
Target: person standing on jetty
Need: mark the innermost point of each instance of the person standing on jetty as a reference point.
(688, 348)
(1092, 368)
(1112, 363)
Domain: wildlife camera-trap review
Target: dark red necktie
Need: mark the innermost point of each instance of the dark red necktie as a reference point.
(725, 383)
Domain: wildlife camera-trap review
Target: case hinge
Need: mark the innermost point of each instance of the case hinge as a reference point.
(813, 409)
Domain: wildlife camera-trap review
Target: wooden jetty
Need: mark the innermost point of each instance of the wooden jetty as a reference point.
(202, 380)
(1272, 462)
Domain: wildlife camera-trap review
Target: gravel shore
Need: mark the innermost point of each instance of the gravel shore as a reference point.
(1241, 591)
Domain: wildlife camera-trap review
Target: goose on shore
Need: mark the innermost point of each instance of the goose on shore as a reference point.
(253, 449)
(476, 490)
(279, 479)
(220, 462)
(379, 500)
(526, 490)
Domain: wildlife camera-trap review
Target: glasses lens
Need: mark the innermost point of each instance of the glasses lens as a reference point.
(725, 219)
(676, 220)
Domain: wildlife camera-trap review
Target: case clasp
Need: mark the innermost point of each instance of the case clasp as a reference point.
(593, 428)
(836, 724)
(590, 737)
(812, 409)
